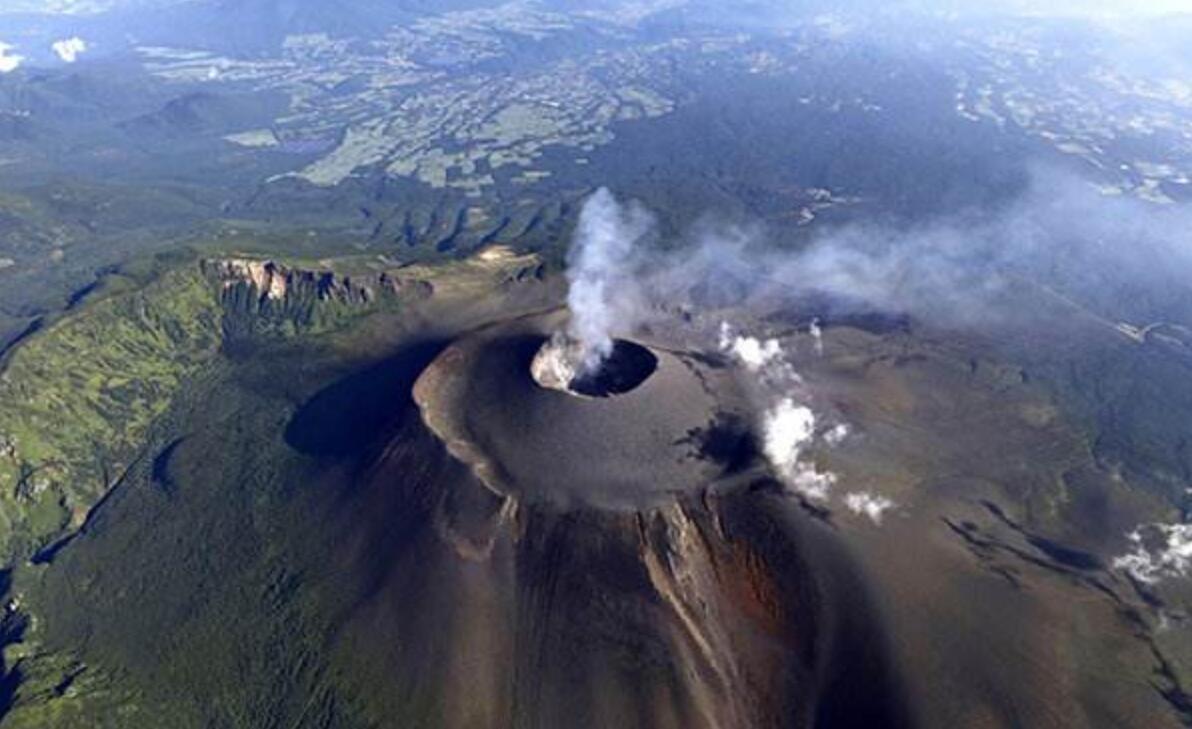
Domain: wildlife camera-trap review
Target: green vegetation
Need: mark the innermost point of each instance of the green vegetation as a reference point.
(93, 401)
(57, 689)
(80, 397)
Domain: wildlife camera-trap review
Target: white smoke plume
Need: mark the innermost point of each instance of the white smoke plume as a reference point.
(836, 434)
(755, 354)
(612, 277)
(1059, 243)
(1158, 551)
(817, 336)
(603, 295)
(864, 503)
(762, 358)
(788, 428)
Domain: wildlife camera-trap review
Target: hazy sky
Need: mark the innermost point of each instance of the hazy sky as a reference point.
(1121, 8)
(1043, 8)
(1118, 8)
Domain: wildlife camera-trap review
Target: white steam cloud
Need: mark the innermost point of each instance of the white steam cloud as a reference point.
(788, 427)
(755, 354)
(787, 430)
(836, 434)
(603, 296)
(69, 49)
(1121, 260)
(764, 358)
(864, 503)
(817, 336)
(1158, 551)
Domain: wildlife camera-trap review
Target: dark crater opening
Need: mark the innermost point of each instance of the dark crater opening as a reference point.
(627, 367)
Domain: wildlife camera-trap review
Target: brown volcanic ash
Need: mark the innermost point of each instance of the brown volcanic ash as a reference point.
(552, 560)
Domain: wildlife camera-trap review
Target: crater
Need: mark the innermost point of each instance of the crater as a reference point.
(557, 366)
(507, 401)
(624, 370)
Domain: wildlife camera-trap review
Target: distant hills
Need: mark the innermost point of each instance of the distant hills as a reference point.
(203, 113)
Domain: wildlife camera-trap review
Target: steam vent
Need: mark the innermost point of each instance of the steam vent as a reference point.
(613, 553)
(626, 367)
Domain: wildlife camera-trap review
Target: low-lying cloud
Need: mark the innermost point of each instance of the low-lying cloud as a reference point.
(1121, 259)
(68, 50)
(9, 61)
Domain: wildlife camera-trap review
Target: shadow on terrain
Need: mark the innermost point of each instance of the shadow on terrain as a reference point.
(349, 415)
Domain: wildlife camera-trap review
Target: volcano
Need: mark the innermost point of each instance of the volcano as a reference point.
(540, 557)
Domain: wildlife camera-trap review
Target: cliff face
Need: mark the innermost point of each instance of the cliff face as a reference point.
(272, 281)
(263, 297)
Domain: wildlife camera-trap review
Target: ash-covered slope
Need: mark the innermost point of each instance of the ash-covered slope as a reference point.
(634, 583)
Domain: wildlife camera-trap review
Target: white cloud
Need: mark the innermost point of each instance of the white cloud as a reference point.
(787, 427)
(817, 335)
(867, 504)
(787, 430)
(755, 354)
(9, 61)
(836, 434)
(69, 49)
(764, 358)
(1159, 551)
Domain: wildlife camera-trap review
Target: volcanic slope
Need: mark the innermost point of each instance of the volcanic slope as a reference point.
(589, 561)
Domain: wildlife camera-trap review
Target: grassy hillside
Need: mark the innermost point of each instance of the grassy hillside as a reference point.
(77, 400)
